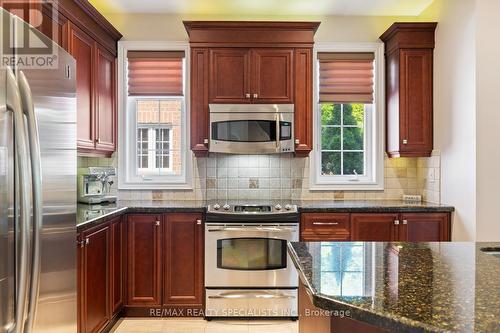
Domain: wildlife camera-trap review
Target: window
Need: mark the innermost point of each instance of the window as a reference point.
(153, 126)
(349, 118)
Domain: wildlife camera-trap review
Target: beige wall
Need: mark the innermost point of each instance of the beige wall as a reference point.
(455, 109)
(488, 119)
(166, 27)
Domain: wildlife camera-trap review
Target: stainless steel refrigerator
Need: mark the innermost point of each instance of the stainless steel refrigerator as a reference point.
(38, 166)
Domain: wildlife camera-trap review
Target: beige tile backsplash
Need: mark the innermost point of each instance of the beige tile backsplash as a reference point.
(282, 177)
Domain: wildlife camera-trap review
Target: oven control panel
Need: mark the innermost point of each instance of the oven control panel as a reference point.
(252, 209)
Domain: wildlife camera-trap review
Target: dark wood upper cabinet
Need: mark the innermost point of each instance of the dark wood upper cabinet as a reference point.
(429, 227)
(229, 76)
(81, 47)
(272, 76)
(240, 75)
(95, 278)
(199, 100)
(96, 93)
(105, 101)
(251, 62)
(183, 260)
(374, 227)
(144, 255)
(409, 51)
(303, 101)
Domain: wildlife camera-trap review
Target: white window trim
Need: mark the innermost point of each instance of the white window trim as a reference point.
(127, 130)
(376, 181)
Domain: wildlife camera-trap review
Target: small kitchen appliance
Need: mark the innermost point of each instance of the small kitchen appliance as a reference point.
(94, 185)
(252, 128)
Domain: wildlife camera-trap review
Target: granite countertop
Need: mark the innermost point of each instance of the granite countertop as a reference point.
(89, 215)
(404, 287)
(372, 206)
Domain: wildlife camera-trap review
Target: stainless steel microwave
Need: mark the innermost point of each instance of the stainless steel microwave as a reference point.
(251, 128)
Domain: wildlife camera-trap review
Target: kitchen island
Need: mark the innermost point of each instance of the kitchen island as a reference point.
(397, 287)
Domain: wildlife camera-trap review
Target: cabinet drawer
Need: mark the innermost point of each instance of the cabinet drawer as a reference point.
(325, 226)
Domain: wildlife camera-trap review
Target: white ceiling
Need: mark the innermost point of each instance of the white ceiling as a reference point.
(266, 7)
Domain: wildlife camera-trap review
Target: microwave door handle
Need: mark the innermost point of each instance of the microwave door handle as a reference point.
(278, 129)
(14, 105)
(36, 176)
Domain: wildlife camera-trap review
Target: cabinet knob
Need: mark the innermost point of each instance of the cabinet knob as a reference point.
(405, 221)
(255, 95)
(405, 142)
(205, 141)
(247, 95)
(198, 222)
(157, 223)
(396, 222)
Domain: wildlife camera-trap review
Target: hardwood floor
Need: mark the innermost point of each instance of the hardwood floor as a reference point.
(132, 325)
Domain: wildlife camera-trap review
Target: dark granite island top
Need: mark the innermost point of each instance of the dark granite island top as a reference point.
(404, 287)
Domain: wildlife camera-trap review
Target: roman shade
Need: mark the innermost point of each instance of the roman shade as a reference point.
(155, 73)
(346, 77)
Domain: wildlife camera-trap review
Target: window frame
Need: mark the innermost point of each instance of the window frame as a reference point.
(127, 124)
(374, 132)
(152, 141)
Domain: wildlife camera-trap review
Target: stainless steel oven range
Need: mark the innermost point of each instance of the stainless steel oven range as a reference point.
(248, 272)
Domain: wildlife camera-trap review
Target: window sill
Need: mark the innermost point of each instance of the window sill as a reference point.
(155, 186)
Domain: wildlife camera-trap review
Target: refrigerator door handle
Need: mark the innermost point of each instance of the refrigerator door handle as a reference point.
(36, 178)
(14, 105)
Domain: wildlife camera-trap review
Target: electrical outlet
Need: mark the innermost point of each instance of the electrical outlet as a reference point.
(412, 198)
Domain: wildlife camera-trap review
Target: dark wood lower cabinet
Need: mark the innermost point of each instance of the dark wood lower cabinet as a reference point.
(183, 260)
(164, 263)
(94, 275)
(376, 227)
(144, 253)
(117, 261)
(429, 227)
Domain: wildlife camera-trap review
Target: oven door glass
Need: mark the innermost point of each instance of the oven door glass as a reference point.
(250, 254)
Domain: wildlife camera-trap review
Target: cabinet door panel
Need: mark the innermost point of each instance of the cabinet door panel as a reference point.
(272, 75)
(117, 258)
(105, 100)
(96, 268)
(144, 260)
(303, 76)
(229, 75)
(81, 47)
(416, 100)
(374, 227)
(425, 227)
(183, 261)
(199, 100)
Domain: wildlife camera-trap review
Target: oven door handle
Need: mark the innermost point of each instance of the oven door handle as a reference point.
(266, 229)
(251, 295)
